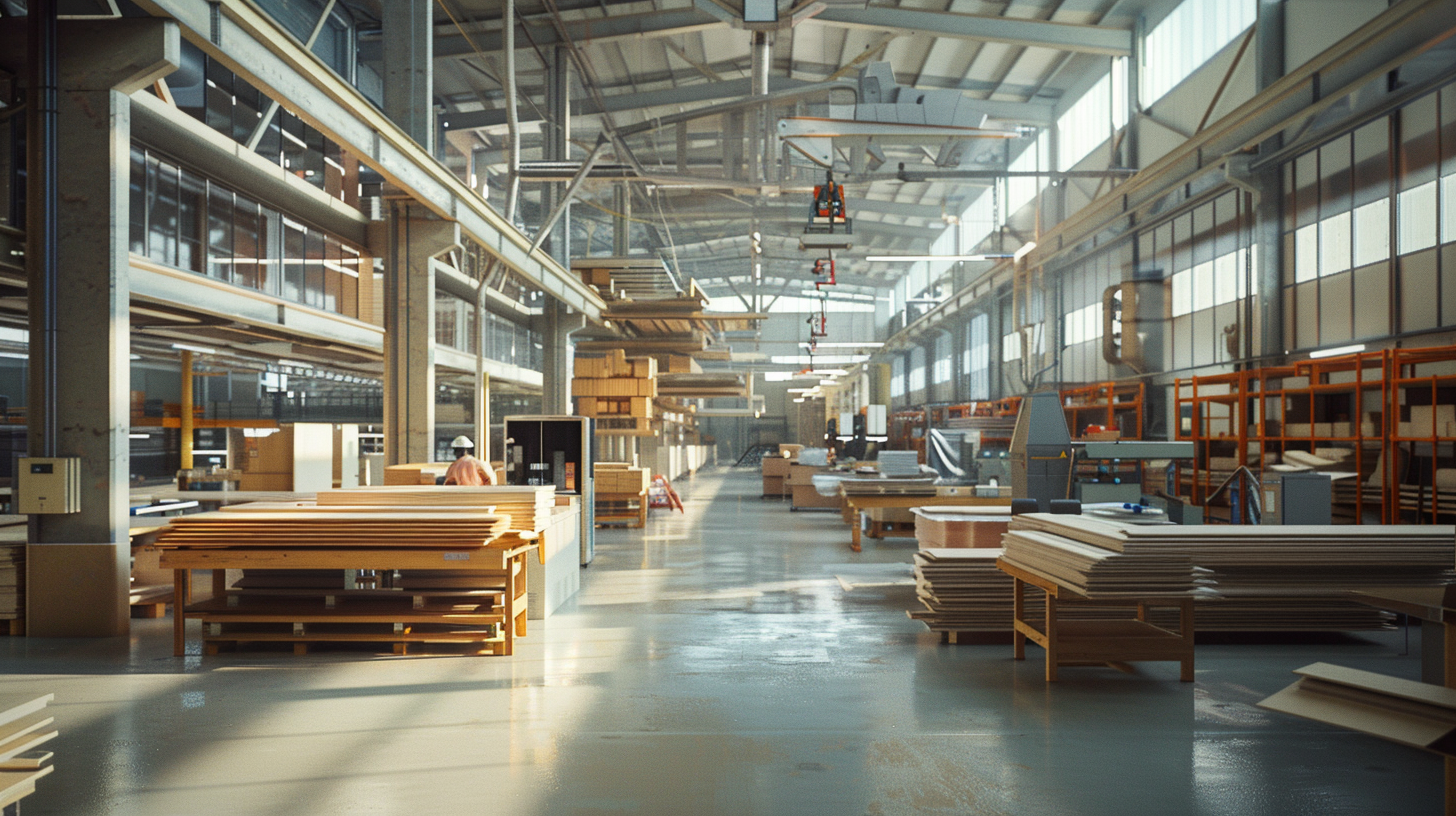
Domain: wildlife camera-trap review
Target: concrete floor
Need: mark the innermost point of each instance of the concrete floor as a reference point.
(711, 664)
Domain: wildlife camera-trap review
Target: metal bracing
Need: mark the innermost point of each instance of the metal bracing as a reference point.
(665, 23)
(732, 89)
(1086, 39)
(252, 45)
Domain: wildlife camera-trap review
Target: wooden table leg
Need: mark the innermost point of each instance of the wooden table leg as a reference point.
(219, 583)
(854, 534)
(181, 595)
(1051, 638)
(1018, 614)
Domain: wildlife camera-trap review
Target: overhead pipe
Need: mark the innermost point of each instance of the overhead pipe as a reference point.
(43, 211)
(513, 124)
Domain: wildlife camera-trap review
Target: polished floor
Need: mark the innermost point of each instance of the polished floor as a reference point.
(710, 665)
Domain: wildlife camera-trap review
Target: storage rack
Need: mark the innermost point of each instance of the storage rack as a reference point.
(1361, 402)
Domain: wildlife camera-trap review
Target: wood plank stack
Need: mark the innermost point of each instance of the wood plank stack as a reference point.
(617, 390)
(1280, 578)
(1095, 571)
(365, 527)
(962, 590)
(938, 527)
(25, 725)
(529, 506)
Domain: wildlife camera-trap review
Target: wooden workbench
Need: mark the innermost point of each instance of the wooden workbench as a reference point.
(490, 616)
(856, 503)
(1099, 642)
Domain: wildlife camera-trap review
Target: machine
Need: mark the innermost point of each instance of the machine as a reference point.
(556, 450)
(1041, 450)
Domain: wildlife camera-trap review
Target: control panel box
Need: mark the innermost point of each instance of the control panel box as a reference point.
(48, 485)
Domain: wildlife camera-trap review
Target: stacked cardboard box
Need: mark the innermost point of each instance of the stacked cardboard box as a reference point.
(948, 527)
(615, 385)
(803, 493)
(620, 478)
(775, 472)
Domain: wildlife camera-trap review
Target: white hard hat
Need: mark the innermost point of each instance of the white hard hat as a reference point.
(461, 441)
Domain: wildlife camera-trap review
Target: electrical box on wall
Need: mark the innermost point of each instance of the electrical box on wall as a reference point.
(48, 485)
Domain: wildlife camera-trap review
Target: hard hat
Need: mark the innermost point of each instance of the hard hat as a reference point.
(461, 441)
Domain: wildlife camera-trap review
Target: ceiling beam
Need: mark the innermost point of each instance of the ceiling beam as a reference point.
(1087, 39)
(617, 103)
(667, 23)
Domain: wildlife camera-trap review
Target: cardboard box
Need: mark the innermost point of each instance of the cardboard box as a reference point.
(802, 475)
(804, 495)
(773, 486)
(776, 466)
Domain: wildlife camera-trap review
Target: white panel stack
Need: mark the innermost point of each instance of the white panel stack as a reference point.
(899, 464)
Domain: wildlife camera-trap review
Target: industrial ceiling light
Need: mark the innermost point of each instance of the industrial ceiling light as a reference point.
(1337, 351)
(875, 344)
(190, 347)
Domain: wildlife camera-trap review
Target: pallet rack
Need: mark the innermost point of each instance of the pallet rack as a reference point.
(1358, 402)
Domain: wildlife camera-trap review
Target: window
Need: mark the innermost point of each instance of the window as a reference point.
(1085, 125)
(1306, 253)
(978, 341)
(1010, 347)
(1415, 228)
(1372, 232)
(917, 369)
(897, 376)
(1020, 190)
(1187, 38)
(1082, 325)
(1334, 238)
(941, 369)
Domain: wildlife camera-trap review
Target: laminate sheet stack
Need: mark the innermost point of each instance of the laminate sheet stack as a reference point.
(528, 506)
(899, 463)
(908, 486)
(309, 528)
(962, 590)
(1280, 578)
(1097, 571)
(952, 526)
(25, 726)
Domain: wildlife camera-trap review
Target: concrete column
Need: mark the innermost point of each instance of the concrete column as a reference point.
(1268, 312)
(78, 564)
(555, 327)
(409, 69)
(556, 135)
(409, 332)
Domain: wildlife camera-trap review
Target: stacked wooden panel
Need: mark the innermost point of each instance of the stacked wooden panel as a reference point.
(364, 527)
(25, 726)
(353, 572)
(1280, 578)
(617, 390)
(528, 506)
(621, 493)
(962, 590)
(938, 527)
(1095, 571)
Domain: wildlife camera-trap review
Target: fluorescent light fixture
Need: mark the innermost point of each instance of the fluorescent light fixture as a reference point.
(1025, 250)
(798, 399)
(830, 372)
(799, 390)
(846, 345)
(817, 359)
(914, 258)
(826, 382)
(139, 436)
(777, 376)
(1337, 351)
(190, 347)
(15, 355)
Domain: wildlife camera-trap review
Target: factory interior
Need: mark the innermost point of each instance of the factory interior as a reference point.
(595, 407)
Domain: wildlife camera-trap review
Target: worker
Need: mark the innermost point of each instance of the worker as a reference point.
(466, 469)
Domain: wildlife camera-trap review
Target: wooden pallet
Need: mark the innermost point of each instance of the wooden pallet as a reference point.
(625, 508)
